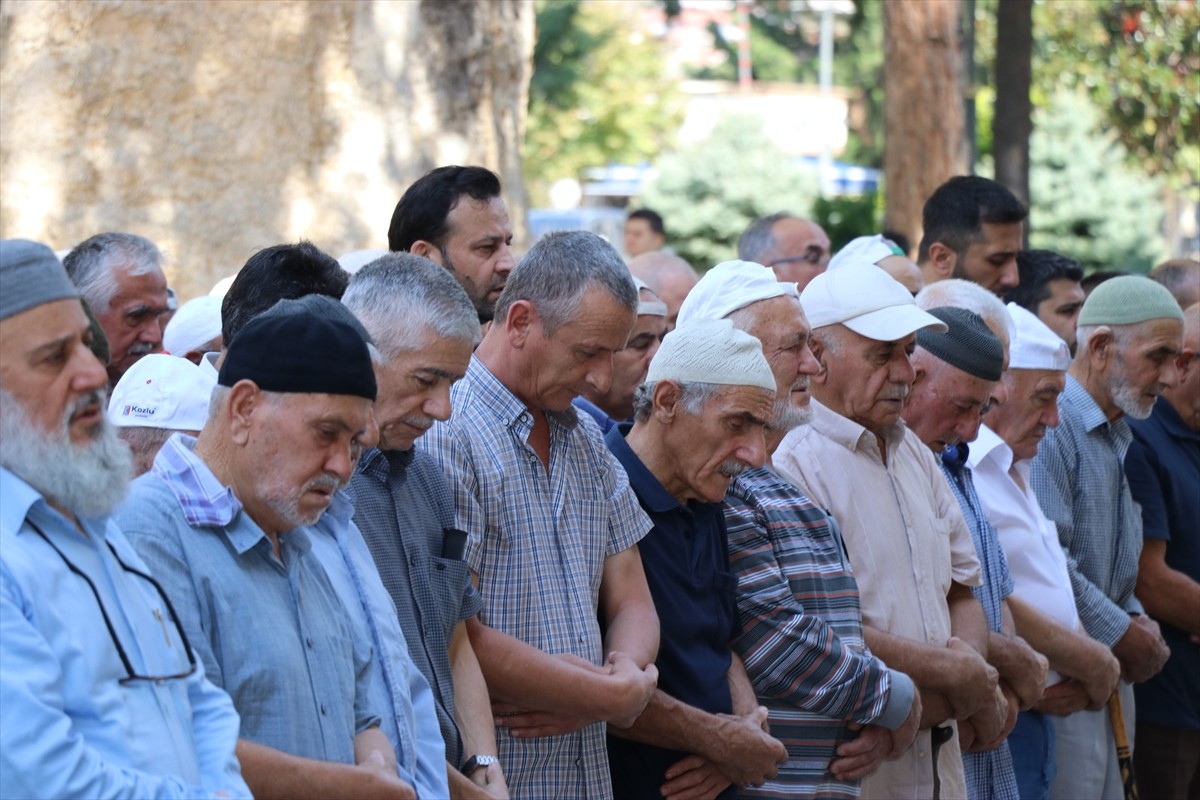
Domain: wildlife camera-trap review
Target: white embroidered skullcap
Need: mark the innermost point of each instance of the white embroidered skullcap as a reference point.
(1034, 345)
(712, 351)
(194, 325)
(729, 286)
(648, 308)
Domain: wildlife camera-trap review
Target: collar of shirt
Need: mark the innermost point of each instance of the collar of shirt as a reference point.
(1089, 413)
(500, 402)
(378, 464)
(21, 500)
(650, 491)
(1172, 422)
(851, 435)
(989, 446)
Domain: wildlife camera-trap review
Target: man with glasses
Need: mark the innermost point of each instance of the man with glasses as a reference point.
(100, 692)
(797, 249)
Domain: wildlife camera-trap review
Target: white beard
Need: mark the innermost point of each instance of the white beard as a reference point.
(88, 480)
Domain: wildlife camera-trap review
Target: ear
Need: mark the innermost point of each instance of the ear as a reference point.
(427, 250)
(667, 395)
(1100, 346)
(919, 370)
(942, 259)
(520, 322)
(245, 398)
(818, 350)
(1185, 363)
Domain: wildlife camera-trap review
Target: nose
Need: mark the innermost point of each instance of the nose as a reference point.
(999, 394)
(902, 370)
(1049, 418)
(754, 450)
(968, 427)
(89, 374)
(1010, 278)
(808, 362)
(341, 460)
(506, 262)
(438, 404)
(1169, 376)
(599, 375)
(152, 331)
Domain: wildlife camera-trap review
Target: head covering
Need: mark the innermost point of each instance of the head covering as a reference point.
(729, 286)
(323, 306)
(194, 325)
(871, 249)
(967, 343)
(300, 352)
(355, 260)
(866, 300)
(1128, 300)
(1034, 345)
(712, 351)
(648, 308)
(161, 391)
(30, 276)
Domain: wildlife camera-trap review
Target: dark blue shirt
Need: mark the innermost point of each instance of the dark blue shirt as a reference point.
(1163, 469)
(605, 422)
(686, 559)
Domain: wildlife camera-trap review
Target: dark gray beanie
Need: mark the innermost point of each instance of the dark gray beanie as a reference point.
(967, 344)
(30, 276)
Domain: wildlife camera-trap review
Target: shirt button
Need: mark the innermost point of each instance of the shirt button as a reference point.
(324, 710)
(412, 561)
(309, 642)
(579, 762)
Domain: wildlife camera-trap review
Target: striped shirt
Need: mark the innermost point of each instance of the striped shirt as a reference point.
(801, 634)
(1079, 478)
(539, 540)
(989, 773)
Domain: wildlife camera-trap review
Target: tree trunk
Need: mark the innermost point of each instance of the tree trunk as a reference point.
(218, 128)
(922, 108)
(1012, 123)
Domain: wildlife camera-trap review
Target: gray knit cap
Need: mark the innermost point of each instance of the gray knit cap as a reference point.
(967, 344)
(1128, 300)
(30, 276)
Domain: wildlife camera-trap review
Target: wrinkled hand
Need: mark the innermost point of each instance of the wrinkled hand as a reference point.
(1102, 672)
(1141, 651)
(1063, 699)
(525, 723)
(633, 688)
(973, 680)
(1010, 722)
(903, 737)
(989, 721)
(1027, 672)
(380, 781)
(693, 778)
(491, 780)
(746, 754)
(859, 757)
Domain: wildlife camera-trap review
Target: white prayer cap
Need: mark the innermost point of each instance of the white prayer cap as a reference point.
(872, 249)
(355, 260)
(712, 351)
(648, 308)
(161, 391)
(866, 300)
(1034, 345)
(729, 286)
(222, 286)
(194, 325)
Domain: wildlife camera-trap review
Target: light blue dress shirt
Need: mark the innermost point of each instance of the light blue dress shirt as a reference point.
(399, 691)
(68, 727)
(273, 633)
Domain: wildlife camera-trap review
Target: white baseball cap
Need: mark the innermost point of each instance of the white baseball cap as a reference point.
(729, 286)
(865, 248)
(866, 300)
(161, 391)
(1034, 345)
(194, 325)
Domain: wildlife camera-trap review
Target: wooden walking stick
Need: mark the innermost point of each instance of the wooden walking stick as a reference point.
(1124, 754)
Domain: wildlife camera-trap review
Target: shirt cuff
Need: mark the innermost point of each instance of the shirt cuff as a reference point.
(899, 702)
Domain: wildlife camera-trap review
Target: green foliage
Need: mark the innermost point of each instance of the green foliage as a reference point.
(710, 192)
(597, 94)
(770, 61)
(846, 218)
(1086, 203)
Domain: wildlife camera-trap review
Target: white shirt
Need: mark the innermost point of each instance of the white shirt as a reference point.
(1030, 541)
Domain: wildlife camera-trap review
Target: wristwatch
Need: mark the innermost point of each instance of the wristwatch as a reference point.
(475, 762)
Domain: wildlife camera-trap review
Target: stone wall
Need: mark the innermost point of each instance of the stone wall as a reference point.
(216, 128)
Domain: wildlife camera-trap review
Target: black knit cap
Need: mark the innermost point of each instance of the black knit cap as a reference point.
(967, 344)
(300, 353)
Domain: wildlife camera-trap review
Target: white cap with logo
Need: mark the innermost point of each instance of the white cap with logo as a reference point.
(161, 391)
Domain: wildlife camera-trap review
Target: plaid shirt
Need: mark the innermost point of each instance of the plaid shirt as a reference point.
(538, 544)
(1079, 479)
(801, 634)
(990, 773)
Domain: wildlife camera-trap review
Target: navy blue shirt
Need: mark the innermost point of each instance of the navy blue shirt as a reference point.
(597, 413)
(1163, 468)
(686, 559)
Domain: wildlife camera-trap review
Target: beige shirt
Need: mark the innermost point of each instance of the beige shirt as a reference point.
(906, 539)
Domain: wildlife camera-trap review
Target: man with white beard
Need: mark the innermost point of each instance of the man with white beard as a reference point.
(100, 693)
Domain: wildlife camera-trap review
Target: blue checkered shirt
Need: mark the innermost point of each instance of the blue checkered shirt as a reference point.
(538, 544)
(990, 773)
(1079, 479)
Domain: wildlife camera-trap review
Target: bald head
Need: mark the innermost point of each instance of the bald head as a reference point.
(1181, 276)
(797, 249)
(668, 276)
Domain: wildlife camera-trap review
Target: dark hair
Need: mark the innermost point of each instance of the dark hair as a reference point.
(282, 272)
(1093, 280)
(422, 211)
(954, 214)
(1037, 268)
(653, 219)
(899, 239)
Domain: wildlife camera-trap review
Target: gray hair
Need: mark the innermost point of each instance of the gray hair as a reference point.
(559, 269)
(92, 265)
(973, 297)
(1121, 335)
(758, 240)
(398, 295)
(692, 398)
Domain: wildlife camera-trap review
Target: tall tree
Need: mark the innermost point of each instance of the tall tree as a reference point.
(923, 106)
(1012, 122)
